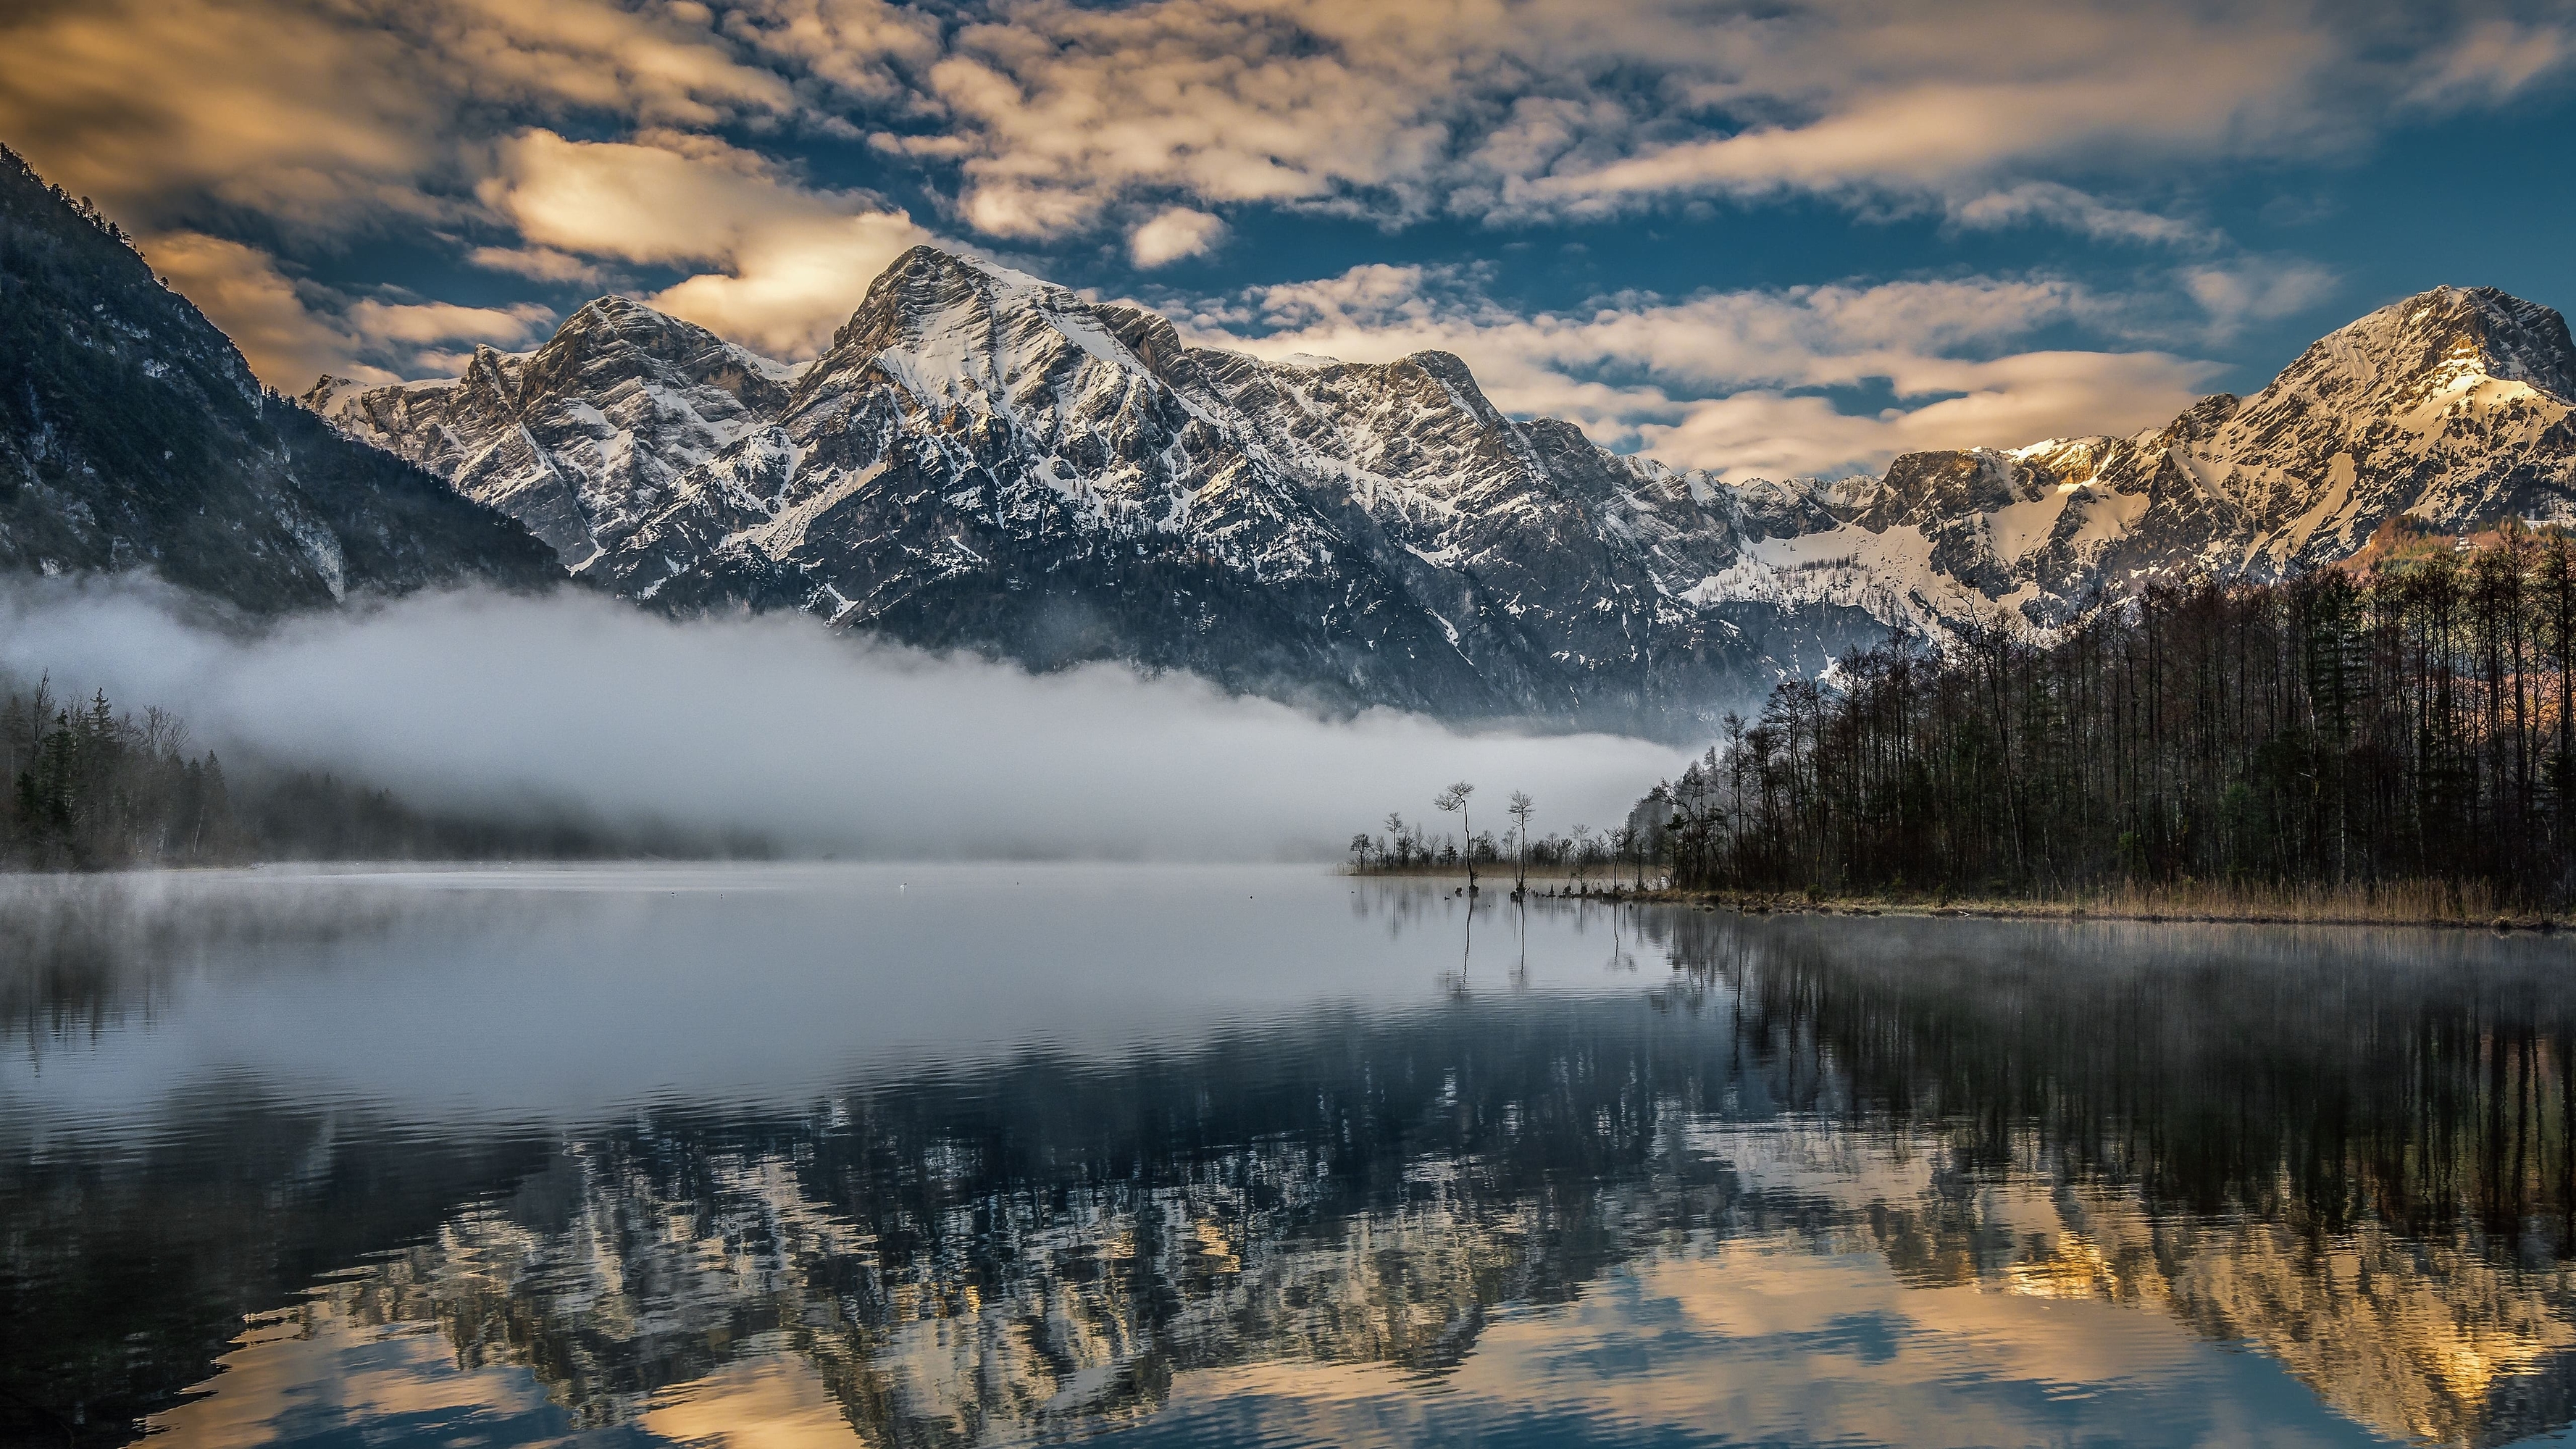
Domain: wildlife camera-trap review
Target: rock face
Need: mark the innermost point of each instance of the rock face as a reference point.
(132, 435)
(981, 460)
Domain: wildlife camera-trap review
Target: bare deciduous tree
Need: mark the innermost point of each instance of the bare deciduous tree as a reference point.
(1522, 807)
(1453, 801)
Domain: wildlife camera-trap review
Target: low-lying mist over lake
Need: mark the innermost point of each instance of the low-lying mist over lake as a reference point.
(776, 727)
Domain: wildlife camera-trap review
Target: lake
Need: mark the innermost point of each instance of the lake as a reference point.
(957, 1155)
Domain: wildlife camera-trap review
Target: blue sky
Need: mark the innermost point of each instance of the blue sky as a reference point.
(1761, 238)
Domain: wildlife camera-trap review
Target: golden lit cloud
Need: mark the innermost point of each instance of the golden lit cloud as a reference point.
(2493, 61)
(291, 335)
(1879, 96)
(1173, 234)
(427, 322)
(1053, 110)
(654, 64)
(670, 198)
(852, 46)
(789, 285)
(538, 264)
(1042, 114)
(2255, 289)
(244, 293)
(595, 143)
(2053, 204)
(336, 113)
(2009, 401)
(1065, 107)
(787, 264)
(282, 110)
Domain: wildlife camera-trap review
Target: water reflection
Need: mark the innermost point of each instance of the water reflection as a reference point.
(2356, 1154)
(1628, 1175)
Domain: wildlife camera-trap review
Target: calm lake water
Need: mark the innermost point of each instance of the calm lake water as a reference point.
(991, 1155)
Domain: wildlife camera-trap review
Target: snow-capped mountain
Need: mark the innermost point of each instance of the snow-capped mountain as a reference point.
(983, 460)
(2451, 408)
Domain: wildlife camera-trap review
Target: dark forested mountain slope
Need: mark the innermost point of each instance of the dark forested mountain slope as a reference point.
(132, 435)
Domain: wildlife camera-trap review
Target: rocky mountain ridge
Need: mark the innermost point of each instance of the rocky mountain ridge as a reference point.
(982, 460)
(2451, 408)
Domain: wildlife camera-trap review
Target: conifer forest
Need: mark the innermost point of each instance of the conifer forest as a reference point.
(2406, 718)
(95, 788)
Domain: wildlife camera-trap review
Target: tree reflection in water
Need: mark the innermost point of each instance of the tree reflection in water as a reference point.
(2352, 1152)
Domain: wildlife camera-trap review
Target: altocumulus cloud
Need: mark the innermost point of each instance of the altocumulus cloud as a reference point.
(504, 704)
(1729, 381)
(302, 126)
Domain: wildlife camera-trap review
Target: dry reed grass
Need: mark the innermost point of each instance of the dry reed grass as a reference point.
(2389, 903)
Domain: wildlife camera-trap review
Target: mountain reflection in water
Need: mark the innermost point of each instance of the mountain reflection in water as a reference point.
(1801, 1180)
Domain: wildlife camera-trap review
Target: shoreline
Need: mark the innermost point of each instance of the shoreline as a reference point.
(2344, 908)
(2248, 914)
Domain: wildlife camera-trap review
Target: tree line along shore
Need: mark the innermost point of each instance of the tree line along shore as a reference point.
(2389, 740)
(95, 788)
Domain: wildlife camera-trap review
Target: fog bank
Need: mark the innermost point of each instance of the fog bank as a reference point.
(512, 706)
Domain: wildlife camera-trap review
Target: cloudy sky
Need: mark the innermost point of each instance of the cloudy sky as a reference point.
(1766, 238)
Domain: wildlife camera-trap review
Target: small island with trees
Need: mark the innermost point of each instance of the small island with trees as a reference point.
(1579, 860)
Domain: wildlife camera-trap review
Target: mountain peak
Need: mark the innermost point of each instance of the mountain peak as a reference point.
(616, 311)
(615, 319)
(2441, 343)
(2522, 341)
(325, 390)
(1447, 366)
(928, 266)
(927, 290)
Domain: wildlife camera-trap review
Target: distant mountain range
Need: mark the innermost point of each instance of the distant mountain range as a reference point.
(2450, 408)
(981, 460)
